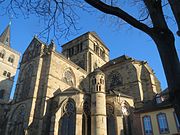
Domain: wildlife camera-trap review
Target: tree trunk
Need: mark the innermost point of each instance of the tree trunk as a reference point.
(165, 43)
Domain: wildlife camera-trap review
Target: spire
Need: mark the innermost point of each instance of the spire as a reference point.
(5, 36)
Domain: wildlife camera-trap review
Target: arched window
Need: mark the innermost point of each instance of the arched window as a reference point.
(101, 80)
(95, 65)
(17, 121)
(125, 108)
(147, 125)
(96, 48)
(86, 125)
(177, 122)
(11, 59)
(111, 120)
(69, 77)
(5, 73)
(2, 93)
(2, 54)
(162, 123)
(102, 53)
(67, 123)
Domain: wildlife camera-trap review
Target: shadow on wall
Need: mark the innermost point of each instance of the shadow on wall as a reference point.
(4, 109)
(46, 119)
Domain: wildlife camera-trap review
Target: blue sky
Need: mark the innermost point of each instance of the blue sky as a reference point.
(120, 40)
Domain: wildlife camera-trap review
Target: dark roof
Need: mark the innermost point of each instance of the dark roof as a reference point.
(164, 92)
(123, 58)
(152, 106)
(5, 36)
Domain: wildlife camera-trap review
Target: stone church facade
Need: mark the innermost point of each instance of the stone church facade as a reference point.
(79, 91)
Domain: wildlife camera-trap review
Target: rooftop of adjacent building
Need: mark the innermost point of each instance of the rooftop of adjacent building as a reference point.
(161, 101)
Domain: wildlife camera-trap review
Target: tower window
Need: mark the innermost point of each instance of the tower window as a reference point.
(81, 47)
(99, 88)
(9, 74)
(11, 59)
(5, 73)
(2, 53)
(101, 80)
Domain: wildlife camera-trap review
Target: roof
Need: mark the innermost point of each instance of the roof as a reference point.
(5, 36)
(152, 106)
(70, 90)
(123, 58)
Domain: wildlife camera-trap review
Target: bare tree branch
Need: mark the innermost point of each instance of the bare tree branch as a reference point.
(175, 6)
(119, 13)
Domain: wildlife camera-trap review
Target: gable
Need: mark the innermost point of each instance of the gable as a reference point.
(32, 51)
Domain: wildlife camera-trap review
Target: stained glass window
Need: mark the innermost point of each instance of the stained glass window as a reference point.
(67, 123)
(69, 77)
(115, 79)
(111, 123)
(86, 126)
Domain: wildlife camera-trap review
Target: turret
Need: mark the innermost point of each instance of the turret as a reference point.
(98, 103)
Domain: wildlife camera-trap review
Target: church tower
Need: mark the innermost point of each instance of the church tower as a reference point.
(98, 103)
(9, 60)
(88, 51)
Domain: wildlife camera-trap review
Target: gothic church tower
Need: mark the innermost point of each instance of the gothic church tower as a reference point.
(88, 51)
(9, 59)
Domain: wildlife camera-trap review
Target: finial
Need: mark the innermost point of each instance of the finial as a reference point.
(10, 19)
(9, 22)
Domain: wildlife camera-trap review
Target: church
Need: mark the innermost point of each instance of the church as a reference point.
(79, 91)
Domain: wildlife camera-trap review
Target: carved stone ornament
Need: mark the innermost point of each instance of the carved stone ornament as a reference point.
(69, 108)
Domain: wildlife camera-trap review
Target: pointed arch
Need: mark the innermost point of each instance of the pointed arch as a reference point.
(69, 77)
(111, 120)
(17, 119)
(126, 112)
(86, 121)
(67, 121)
